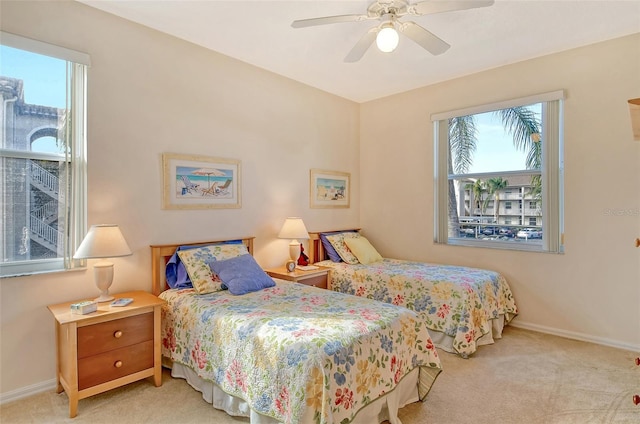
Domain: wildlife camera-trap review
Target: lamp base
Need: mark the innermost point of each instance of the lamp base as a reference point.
(104, 297)
(103, 274)
(294, 250)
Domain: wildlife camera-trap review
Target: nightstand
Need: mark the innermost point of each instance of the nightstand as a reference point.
(315, 277)
(108, 348)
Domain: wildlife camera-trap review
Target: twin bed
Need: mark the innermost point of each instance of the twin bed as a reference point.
(463, 307)
(288, 353)
(279, 352)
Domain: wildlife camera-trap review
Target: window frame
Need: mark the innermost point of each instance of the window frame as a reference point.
(75, 155)
(552, 172)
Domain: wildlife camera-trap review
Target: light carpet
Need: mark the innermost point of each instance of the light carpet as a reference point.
(525, 377)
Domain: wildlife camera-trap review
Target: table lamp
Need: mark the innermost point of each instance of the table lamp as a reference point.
(103, 241)
(294, 229)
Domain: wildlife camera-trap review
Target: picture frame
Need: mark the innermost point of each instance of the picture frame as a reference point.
(329, 189)
(200, 182)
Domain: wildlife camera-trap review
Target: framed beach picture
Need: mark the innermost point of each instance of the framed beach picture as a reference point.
(200, 182)
(329, 189)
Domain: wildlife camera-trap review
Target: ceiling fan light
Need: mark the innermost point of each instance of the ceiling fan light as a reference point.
(387, 39)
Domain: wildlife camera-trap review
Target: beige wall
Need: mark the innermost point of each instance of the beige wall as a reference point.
(150, 93)
(593, 290)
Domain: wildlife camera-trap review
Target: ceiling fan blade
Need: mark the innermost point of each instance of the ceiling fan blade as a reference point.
(303, 23)
(362, 46)
(430, 7)
(424, 38)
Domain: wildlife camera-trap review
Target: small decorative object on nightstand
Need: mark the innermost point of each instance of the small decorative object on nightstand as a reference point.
(290, 265)
(318, 277)
(108, 348)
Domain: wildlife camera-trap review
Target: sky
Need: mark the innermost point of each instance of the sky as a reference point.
(44, 83)
(44, 77)
(495, 149)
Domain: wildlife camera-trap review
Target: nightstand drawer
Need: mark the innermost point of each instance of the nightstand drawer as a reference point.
(114, 364)
(317, 277)
(316, 281)
(110, 335)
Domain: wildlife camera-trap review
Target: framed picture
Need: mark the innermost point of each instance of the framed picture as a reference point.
(200, 182)
(329, 189)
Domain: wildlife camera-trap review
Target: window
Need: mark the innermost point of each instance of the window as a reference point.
(490, 157)
(42, 155)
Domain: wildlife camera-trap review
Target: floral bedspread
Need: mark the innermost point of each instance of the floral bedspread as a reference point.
(291, 347)
(457, 301)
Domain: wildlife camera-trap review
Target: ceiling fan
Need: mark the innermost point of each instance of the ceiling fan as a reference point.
(388, 12)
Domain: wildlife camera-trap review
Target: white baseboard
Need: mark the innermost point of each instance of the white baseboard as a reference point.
(575, 335)
(24, 392)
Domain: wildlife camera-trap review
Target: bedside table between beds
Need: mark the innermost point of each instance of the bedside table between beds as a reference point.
(315, 277)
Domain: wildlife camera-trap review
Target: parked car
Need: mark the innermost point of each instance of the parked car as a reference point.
(529, 233)
(469, 231)
(506, 232)
(489, 231)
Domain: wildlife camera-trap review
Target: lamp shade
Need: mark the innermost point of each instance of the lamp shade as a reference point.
(293, 228)
(103, 241)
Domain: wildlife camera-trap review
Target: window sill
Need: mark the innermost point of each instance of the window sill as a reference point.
(7, 272)
(524, 246)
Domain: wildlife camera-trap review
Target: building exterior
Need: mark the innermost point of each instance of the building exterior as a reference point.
(32, 201)
(516, 204)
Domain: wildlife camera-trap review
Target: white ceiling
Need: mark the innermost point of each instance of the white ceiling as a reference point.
(259, 32)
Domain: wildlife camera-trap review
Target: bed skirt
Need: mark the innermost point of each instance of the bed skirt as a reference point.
(384, 408)
(445, 342)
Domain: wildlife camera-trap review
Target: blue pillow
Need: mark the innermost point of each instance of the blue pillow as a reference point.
(331, 252)
(176, 273)
(241, 274)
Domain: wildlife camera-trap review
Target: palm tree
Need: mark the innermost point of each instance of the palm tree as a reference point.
(462, 145)
(495, 185)
(523, 125)
(521, 122)
(478, 187)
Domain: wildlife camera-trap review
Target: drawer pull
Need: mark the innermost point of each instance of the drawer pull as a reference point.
(117, 334)
(636, 399)
(117, 364)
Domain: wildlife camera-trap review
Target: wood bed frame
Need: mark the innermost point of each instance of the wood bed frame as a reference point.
(317, 252)
(161, 253)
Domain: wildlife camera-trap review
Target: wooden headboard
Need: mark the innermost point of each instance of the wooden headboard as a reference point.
(317, 253)
(161, 253)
